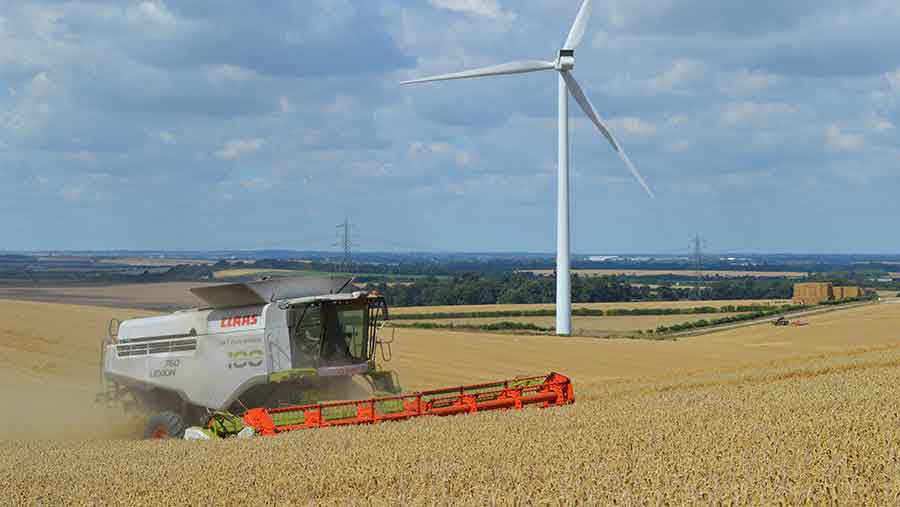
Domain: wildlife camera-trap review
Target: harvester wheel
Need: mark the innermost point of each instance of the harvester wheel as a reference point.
(164, 425)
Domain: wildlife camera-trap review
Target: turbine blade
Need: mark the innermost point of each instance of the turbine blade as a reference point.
(576, 33)
(519, 67)
(589, 110)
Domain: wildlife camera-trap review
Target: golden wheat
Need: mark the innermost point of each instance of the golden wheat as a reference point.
(754, 416)
(823, 432)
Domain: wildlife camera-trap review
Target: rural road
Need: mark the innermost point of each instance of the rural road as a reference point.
(764, 320)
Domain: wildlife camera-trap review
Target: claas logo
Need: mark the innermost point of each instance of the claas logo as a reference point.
(244, 358)
(239, 321)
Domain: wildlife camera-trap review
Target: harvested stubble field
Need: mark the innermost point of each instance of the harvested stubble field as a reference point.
(588, 325)
(234, 273)
(168, 295)
(147, 261)
(753, 416)
(406, 310)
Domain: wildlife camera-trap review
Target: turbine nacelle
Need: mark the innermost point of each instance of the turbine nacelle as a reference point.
(566, 60)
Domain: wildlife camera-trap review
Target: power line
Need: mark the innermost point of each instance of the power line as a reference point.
(697, 243)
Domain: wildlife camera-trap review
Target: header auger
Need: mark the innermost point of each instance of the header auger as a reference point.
(547, 391)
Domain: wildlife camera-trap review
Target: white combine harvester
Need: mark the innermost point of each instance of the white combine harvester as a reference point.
(268, 343)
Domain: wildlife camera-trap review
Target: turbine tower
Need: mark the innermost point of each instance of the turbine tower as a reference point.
(564, 63)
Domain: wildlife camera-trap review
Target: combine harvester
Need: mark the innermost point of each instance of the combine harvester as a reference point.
(282, 347)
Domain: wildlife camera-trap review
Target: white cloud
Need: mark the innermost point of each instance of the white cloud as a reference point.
(227, 73)
(154, 12)
(153, 19)
(677, 120)
(284, 105)
(837, 140)
(463, 158)
(422, 151)
(40, 86)
(887, 97)
(484, 8)
(237, 148)
(72, 193)
(634, 125)
(681, 72)
(737, 113)
(750, 81)
(894, 80)
(878, 124)
(81, 156)
(678, 146)
(33, 110)
(343, 104)
(257, 183)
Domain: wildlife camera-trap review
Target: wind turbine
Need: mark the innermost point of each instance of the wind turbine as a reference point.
(564, 64)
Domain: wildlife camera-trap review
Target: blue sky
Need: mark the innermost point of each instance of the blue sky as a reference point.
(763, 126)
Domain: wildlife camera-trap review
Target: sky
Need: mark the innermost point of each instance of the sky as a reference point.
(763, 126)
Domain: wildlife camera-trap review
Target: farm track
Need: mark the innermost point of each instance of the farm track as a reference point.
(769, 320)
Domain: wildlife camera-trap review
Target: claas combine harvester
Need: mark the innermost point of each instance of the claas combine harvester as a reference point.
(279, 355)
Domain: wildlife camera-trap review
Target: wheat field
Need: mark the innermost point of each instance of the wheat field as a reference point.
(233, 273)
(751, 416)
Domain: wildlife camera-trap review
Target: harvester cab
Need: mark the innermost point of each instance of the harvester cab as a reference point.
(262, 344)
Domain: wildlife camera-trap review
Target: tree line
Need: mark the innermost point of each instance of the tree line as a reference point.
(521, 288)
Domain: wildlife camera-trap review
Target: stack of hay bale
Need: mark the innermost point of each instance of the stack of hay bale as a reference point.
(813, 293)
(847, 292)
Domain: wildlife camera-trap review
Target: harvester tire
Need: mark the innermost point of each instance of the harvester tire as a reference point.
(164, 425)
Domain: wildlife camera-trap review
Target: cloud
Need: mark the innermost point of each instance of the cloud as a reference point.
(72, 193)
(679, 74)
(894, 80)
(428, 152)
(40, 86)
(148, 92)
(837, 140)
(677, 120)
(237, 148)
(878, 124)
(750, 81)
(678, 146)
(737, 113)
(484, 8)
(633, 125)
(284, 105)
